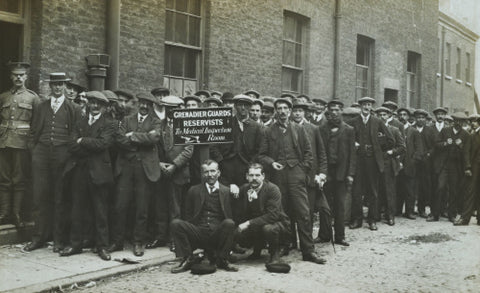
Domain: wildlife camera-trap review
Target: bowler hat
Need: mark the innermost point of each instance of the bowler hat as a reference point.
(58, 77)
(202, 269)
(147, 97)
(18, 67)
(278, 267)
(160, 91)
(252, 92)
(171, 101)
(243, 98)
(99, 96)
(439, 109)
(283, 100)
(365, 100)
(227, 96)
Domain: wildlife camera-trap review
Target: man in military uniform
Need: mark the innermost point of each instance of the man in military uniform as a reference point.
(16, 106)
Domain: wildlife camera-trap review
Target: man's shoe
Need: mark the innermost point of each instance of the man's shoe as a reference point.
(238, 249)
(391, 222)
(155, 243)
(313, 257)
(138, 249)
(451, 219)
(115, 247)
(356, 224)
(67, 251)
(423, 215)
(284, 251)
(57, 248)
(342, 242)
(372, 226)
(104, 254)
(460, 222)
(255, 255)
(171, 246)
(33, 245)
(432, 218)
(224, 265)
(320, 240)
(409, 216)
(184, 266)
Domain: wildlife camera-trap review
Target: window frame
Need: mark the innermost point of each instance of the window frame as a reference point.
(413, 91)
(368, 91)
(468, 67)
(448, 59)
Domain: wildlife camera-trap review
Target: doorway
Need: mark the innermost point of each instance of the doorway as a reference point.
(9, 50)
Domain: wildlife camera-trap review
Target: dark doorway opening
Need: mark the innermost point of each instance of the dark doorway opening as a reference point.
(390, 95)
(9, 50)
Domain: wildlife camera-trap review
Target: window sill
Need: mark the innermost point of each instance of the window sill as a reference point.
(468, 84)
(448, 77)
(459, 81)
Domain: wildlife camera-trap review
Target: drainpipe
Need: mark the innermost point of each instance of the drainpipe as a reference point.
(336, 53)
(442, 66)
(97, 65)
(113, 42)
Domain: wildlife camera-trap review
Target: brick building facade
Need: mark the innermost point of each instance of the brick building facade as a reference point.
(328, 48)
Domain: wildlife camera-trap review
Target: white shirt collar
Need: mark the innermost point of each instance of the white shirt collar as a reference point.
(420, 128)
(319, 117)
(389, 120)
(140, 115)
(57, 101)
(216, 186)
(477, 130)
(455, 131)
(439, 125)
(95, 117)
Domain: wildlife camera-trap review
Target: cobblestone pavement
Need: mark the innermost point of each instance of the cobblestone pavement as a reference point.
(412, 256)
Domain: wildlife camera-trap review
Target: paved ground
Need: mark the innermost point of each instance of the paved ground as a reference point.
(412, 256)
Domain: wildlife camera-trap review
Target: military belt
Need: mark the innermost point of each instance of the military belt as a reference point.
(15, 124)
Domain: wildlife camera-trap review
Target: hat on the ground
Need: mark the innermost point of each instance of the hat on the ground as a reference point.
(18, 67)
(202, 269)
(99, 96)
(160, 91)
(111, 96)
(192, 97)
(283, 100)
(243, 98)
(278, 267)
(390, 105)
(252, 92)
(335, 102)
(459, 116)
(213, 99)
(58, 77)
(365, 100)
(420, 112)
(147, 97)
(439, 109)
(383, 109)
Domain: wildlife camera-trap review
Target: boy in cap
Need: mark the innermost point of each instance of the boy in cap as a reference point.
(16, 108)
(91, 171)
(256, 110)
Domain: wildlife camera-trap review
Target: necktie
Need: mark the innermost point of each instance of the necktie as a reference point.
(55, 105)
(365, 119)
(91, 120)
(140, 120)
(212, 188)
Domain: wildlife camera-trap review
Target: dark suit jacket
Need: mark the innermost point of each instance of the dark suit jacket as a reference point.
(319, 164)
(269, 149)
(346, 152)
(96, 139)
(179, 155)
(382, 139)
(454, 149)
(473, 148)
(398, 149)
(38, 118)
(196, 199)
(439, 155)
(414, 150)
(142, 143)
(396, 123)
(270, 200)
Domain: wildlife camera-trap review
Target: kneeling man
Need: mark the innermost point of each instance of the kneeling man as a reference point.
(262, 217)
(208, 222)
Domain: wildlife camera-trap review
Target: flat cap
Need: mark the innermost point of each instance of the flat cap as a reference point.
(111, 96)
(216, 93)
(278, 267)
(252, 92)
(439, 109)
(351, 111)
(147, 97)
(459, 116)
(160, 91)
(79, 88)
(268, 98)
(258, 102)
(321, 100)
(268, 105)
(390, 105)
(335, 102)
(420, 112)
(227, 96)
(365, 100)
(287, 96)
(242, 98)
(304, 96)
(18, 67)
(124, 93)
(355, 105)
(449, 118)
(58, 77)
(402, 109)
(299, 104)
(283, 100)
(474, 117)
(171, 101)
(202, 269)
(202, 93)
(99, 96)
(382, 109)
(192, 97)
(213, 99)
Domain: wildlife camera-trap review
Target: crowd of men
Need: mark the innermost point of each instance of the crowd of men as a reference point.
(104, 169)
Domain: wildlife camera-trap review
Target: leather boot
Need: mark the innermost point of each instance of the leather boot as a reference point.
(17, 207)
(4, 206)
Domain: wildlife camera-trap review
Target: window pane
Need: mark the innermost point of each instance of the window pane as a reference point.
(298, 55)
(168, 59)
(194, 31)
(288, 53)
(181, 28)
(286, 79)
(169, 26)
(12, 6)
(299, 32)
(291, 80)
(170, 4)
(289, 28)
(176, 59)
(362, 54)
(181, 5)
(190, 63)
(194, 7)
